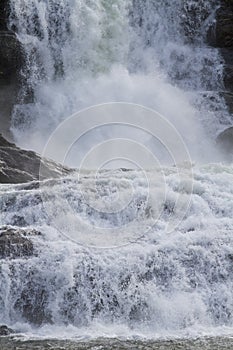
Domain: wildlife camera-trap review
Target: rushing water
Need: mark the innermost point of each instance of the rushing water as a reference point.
(82, 53)
(146, 281)
(105, 263)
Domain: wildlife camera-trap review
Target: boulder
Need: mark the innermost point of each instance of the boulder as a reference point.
(21, 166)
(15, 242)
(225, 142)
(4, 330)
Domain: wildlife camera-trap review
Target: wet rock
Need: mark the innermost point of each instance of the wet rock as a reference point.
(4, 330)
(228, 96)
(5, 143)
(222, 38)
(4, 13)
(225, 142)
(11, 57)
(11, 63)
(15, 243)
(224, 25)
(227, 54)
(21, 166)
(193, 19)
(33, 303)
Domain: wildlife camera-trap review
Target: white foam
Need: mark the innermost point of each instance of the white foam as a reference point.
(157, 285)
(95, 52)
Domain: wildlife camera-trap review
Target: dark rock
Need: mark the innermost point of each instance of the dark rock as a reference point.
(10, 66)
(227, 54)
(4, 14)
(15, 243)
(11, 57)
(221, 36)
(228, 96)
(5, 143)
(225, 142)
(33, 303)
(21, 166)
(224, 25)
(11, 63)
(4, 330)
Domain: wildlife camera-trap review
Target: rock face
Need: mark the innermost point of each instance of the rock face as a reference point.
(222, 38)
(224, 25)
(4, 13)
(11, 62)
(20, 166)
(227, 54)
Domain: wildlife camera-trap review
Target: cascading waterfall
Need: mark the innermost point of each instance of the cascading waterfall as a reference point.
(84, 52)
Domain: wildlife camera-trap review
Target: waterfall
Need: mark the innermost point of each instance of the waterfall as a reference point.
(105, 262)
(83, 53)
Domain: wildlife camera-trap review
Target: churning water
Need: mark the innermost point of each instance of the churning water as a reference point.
(149, 281)
(159, 284)
(153, 53)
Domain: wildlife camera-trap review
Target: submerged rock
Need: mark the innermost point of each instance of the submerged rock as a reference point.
(225, 142)
(15, 243)
(4, 330)
(20, 166)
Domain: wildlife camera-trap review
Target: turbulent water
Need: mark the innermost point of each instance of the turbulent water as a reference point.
(122, 253)
(82, 53)
(146, 281)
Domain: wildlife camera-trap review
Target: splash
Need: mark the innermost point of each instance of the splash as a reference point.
(160, 284)
(90, 52)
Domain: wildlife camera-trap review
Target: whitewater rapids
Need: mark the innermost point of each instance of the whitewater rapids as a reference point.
(107, 263)
(156, 284)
